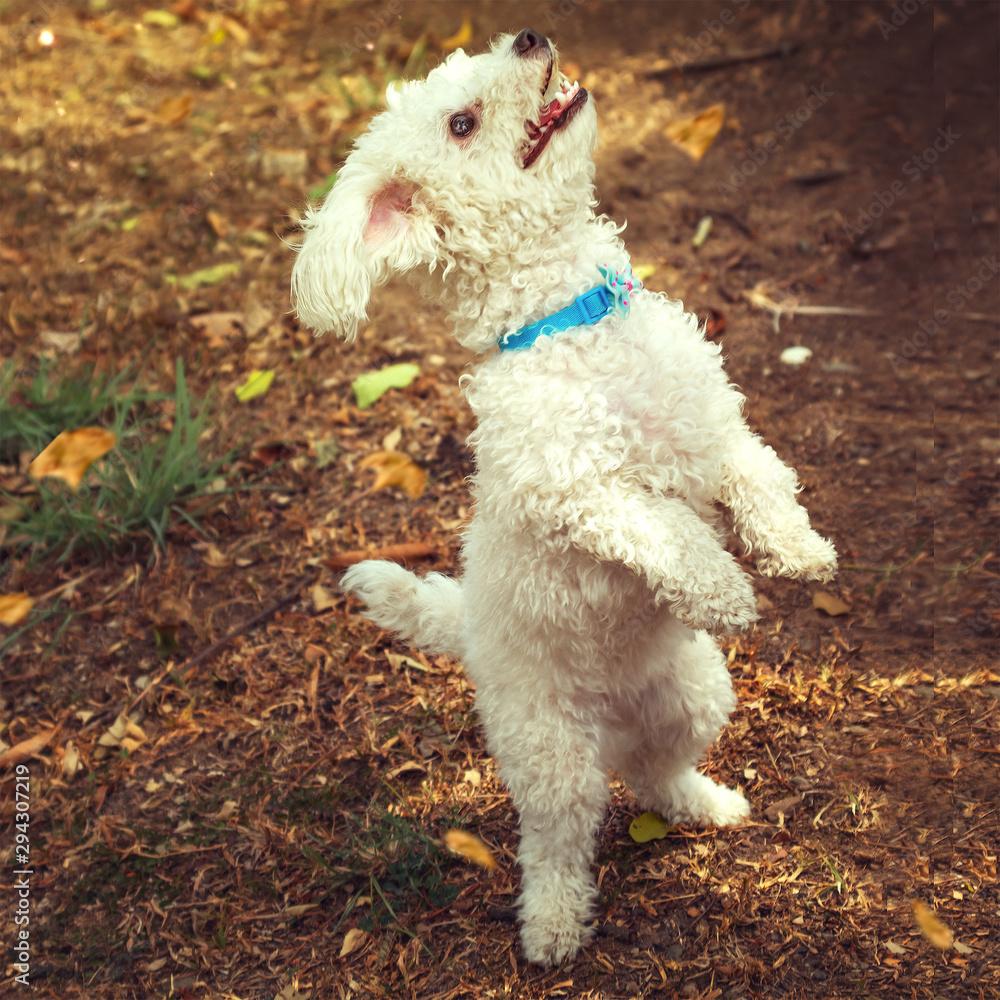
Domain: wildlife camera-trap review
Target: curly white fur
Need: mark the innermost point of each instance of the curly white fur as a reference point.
(594, 557)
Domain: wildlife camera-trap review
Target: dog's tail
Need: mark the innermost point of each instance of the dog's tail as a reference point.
(429, 612)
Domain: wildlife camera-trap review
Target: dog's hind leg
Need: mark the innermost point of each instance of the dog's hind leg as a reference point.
(553, 767)
(428, 612)
(679, 717)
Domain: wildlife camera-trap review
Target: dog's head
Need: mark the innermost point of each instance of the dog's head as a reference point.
(461, 172)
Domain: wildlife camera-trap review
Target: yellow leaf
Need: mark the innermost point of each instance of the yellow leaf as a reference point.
(13, 607)
(71, 760)
(353, 940)
(470, 847)
(934, 929)
(70, 454)
(218, 223)
(257, 383)
(695, 135)
(644, 271)
(461, 37)
(393, 468)
(175, 109)
(214, 558)
(648, 826)
(20, 752)
(830, 604)
(322, 599)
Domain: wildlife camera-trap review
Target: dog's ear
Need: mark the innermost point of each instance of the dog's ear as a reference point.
(367, 228)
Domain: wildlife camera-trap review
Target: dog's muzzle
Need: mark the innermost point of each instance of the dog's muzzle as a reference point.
(556, 113)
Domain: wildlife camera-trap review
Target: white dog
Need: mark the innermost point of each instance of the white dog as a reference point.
(594, 567)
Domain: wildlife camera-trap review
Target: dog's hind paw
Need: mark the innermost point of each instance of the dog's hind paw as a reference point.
(550, 939)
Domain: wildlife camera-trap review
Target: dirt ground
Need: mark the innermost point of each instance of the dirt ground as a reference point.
(275, 828)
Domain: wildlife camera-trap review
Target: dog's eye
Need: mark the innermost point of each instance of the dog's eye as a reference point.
(462, 125)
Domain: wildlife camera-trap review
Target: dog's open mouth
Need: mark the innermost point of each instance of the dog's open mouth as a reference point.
(552, 117)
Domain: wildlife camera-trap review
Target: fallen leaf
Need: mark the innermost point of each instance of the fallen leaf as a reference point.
(695, 135)
(648, 826)
(228, 808)
(70, 761)
(402, 553)
(701, 233)
(216, 327)
(795, 355)
(70, 454)
(644, 271)
(26, 749)
(326, 451)
(461, 37)
(471, 847)
(60, 342)
(218, 224)
(353, 940)
(175, 109)
(257, 383)
(931, 926)
(122, 734)
(715, 325)
(783, 807)
(962, 949)
(13, 608)
(393, 468)
(322, 599)
(373, 385)
(161, 18)
(896, 949)
(12, 255)
(829, 604)
(407, 765)
(208, 275)
(400, 662)
(214, 557)
(287, 163)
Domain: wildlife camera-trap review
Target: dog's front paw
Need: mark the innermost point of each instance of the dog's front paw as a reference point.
(387, 589)
(730, 606)
(551, 938)
(808, 557)
(725, 807)
(693, 797)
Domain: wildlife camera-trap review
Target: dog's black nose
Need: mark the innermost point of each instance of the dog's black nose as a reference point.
(529, 40)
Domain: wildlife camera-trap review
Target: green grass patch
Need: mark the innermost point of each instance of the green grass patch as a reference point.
(394, 867)
(129, 498)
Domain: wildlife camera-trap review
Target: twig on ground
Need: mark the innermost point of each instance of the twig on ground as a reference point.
(205, 654)
(757, 296)
(393, 553)
(711, 63)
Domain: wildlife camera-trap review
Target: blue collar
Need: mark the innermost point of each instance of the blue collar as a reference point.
(582, 311)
